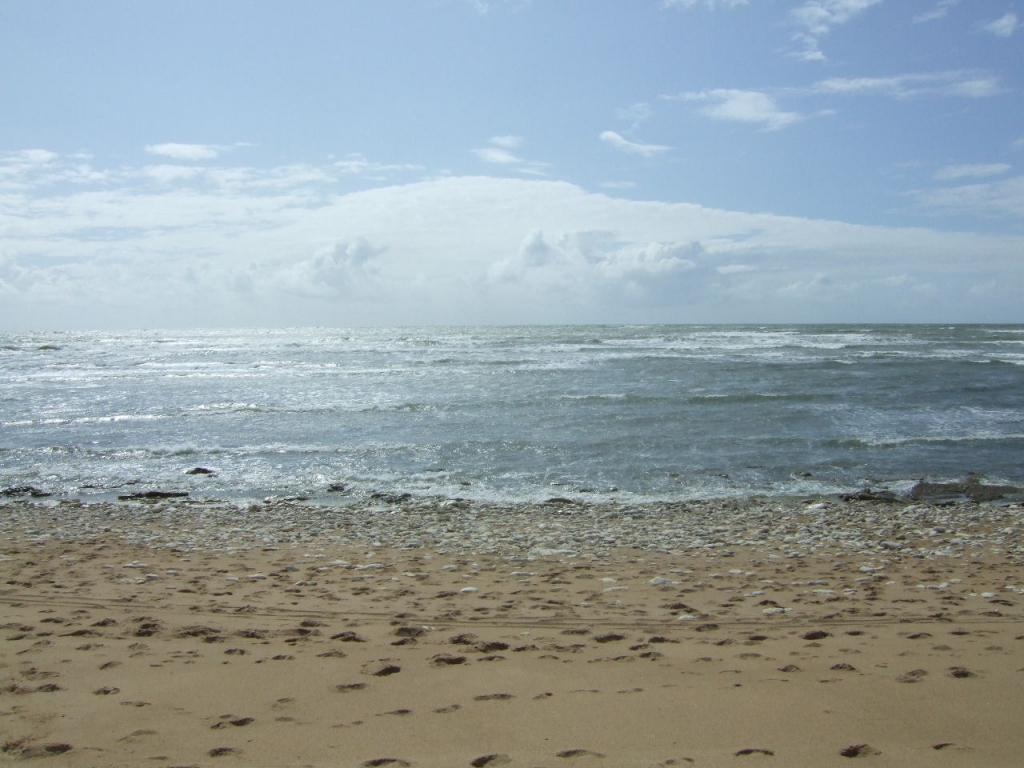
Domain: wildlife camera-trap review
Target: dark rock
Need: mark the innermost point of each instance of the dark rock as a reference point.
(24, 490)
(866, 494)
(979, 492)
(816, 634)
(391, 498)
(972, 487)
(147, 495)
(200, 471)
(447, 660)
(337, 488)
(410, 631)
(348, 636)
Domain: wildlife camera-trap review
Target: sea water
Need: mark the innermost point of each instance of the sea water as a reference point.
(511, 413)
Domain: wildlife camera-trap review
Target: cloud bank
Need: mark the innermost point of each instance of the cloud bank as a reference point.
(232, 245)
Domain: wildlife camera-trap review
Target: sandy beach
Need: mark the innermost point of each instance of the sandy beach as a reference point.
(426, 633)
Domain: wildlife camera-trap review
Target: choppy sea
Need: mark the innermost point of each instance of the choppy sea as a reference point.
(511, 413)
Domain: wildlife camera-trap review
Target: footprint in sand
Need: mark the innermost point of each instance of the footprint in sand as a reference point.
(493, 697)
(380, 762)
(496, 759)
(381, 668)
(961, 672)
(238, 722)
(446, 660)
(913, 676)
(135, 735)
(572, 753)
(41, 750)
(754, 751)
(859, 750)
(349, 687)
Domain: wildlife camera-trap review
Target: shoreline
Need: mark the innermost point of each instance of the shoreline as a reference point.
(796, 632)
(792, 525)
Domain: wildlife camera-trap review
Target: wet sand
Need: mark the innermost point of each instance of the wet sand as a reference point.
(120, 646)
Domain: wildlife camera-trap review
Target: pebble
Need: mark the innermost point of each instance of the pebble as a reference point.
(870, 530)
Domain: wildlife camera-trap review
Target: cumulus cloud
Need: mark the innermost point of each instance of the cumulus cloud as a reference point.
(964, 83)
(623, 144)
(1004, 26)
(817, 18)
(184, 151)
(331, 271)
(742, 107)
(586, 265)
(976, 171)
(257, 251)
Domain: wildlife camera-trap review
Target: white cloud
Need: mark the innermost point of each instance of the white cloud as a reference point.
(585, 266)
(632, 147)
(498, 154)
(1003, 27)
(810, 51)
(508, 142)
(335, 270)
(34, 156)
(166, 174)
(259, 250)
(184, 151)
(709, 3)
(940, 11)
(356, 164)
(997, 199)
(742, 107)
(486, 6)
(965, 83)
(818, 17)
(977, 171)
(636, 114)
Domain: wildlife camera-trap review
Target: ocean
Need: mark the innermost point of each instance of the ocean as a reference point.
(632, 413)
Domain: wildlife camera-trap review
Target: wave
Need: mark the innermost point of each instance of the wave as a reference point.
(871, 443)
(755, 397)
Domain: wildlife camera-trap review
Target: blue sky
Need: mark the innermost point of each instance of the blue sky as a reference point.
(395, 162)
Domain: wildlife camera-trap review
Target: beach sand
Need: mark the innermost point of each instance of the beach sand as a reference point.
(122, 649)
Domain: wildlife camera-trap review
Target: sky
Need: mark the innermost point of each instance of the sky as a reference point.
(179, 164)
